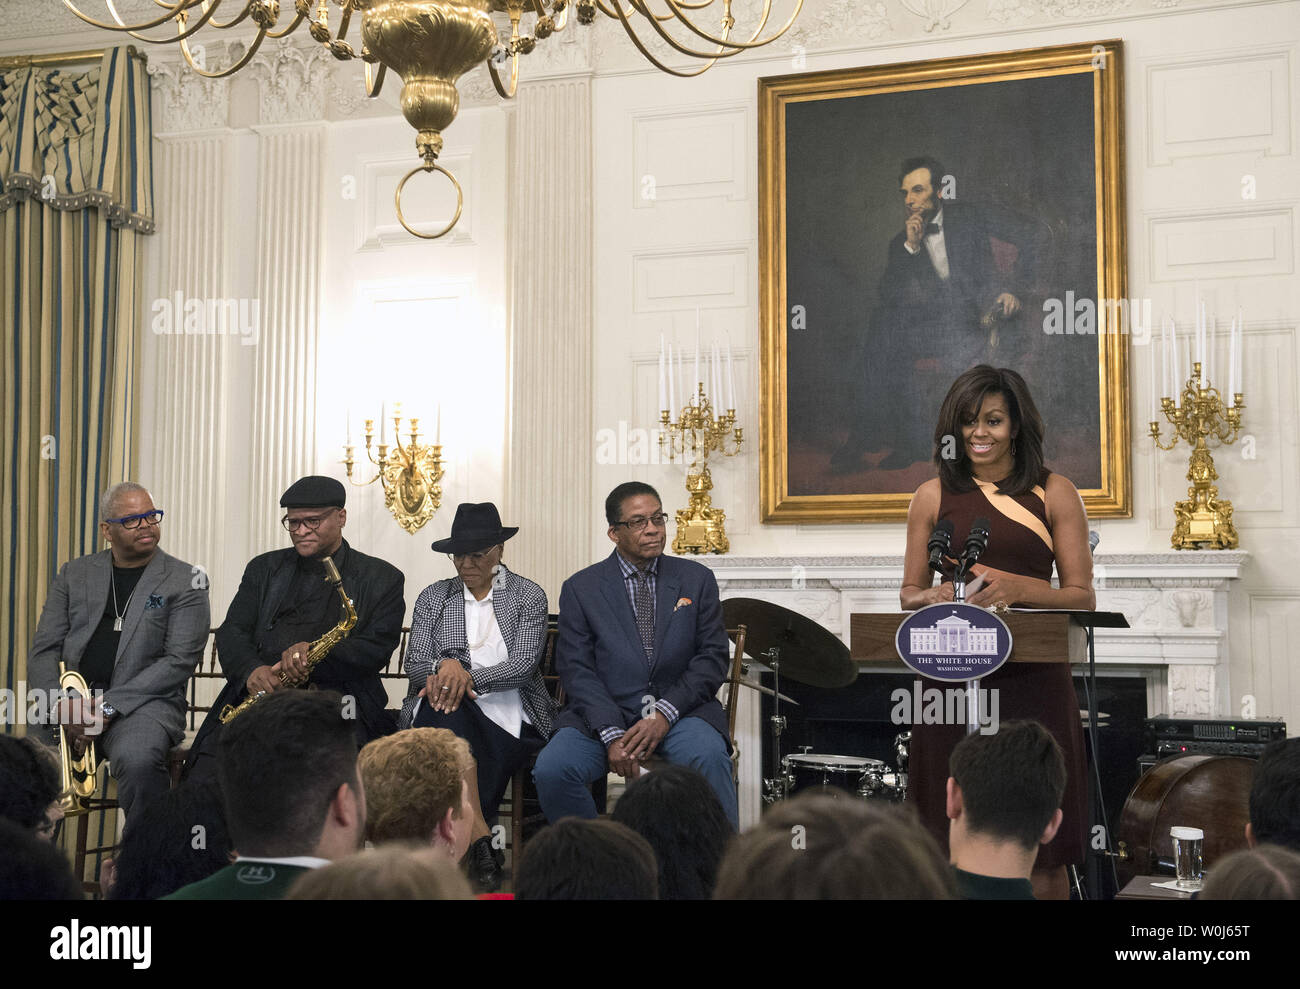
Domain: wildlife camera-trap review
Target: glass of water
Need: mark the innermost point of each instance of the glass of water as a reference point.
(1187, 856)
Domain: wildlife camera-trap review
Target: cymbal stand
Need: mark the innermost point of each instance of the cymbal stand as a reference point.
(778, 785)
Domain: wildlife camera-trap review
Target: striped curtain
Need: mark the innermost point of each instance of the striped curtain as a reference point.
(76, 198)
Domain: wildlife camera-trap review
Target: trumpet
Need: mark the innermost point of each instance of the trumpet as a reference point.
(317, 650)
(78, 773)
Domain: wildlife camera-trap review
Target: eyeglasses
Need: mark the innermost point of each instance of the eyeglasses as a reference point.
(135, 521)
(474, 558)
(312, 523)
(638, 524)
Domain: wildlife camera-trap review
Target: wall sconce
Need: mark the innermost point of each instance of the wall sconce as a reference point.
(411, 475)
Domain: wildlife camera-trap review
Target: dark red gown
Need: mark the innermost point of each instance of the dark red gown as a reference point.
(1041, 691)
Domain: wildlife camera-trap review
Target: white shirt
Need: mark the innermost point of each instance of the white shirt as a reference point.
(487, 648)
(935, 247)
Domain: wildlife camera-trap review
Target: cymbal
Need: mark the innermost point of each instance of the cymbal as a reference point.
(808, 653)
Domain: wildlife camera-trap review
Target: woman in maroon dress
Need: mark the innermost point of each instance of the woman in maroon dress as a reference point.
(992, 435)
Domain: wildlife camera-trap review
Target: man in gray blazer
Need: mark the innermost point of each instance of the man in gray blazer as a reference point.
(133, 621)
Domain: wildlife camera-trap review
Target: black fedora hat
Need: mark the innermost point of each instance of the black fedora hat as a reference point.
(475, 528)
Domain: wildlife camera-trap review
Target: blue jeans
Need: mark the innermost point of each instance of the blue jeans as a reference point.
(572, 760)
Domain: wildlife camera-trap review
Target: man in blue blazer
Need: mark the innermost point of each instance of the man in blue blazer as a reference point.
(642, 653)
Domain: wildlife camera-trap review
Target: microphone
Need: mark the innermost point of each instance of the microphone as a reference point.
(940, 540)
(976, 542)
(1093, 539)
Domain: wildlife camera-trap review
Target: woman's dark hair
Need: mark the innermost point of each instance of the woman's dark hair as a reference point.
(178, 839)
(33, 869)
(962, 404)
(29, 781)
(676, 810)
(574, 859)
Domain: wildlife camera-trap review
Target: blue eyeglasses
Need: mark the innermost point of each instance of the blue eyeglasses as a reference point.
(135, 521)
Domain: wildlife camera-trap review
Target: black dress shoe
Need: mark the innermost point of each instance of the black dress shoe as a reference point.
(483, 868)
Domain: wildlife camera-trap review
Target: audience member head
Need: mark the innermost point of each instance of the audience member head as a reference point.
(180, 838)
(416, 789)
(1265, 872)
(574, 859)
(29, 786)
(288, 769)
(817, 847)
(394, 872)
(32, 868)
(677, 812)
(1004, 797)
(1275, 797)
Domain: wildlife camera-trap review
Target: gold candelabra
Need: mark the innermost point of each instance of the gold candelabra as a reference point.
(696, 433)
(1204, 520)
(411, 474)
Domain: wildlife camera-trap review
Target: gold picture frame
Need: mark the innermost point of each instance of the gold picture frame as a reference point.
(1042, 127)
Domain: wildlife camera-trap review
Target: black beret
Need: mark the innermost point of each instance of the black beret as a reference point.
(315, 491)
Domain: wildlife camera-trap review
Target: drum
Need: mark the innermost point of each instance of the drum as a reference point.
(834, 775)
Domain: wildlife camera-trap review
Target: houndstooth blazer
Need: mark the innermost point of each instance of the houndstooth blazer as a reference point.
(438, 631)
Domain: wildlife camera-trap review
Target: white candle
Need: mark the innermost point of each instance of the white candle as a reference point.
(437, 435)
(1151, 383)
(716, 376)
(1241, 362)
(1176, 387)
(672, 384)
(1166, 356)
(1200, 340)
(1209, 351)
(383, 423)
(731, 379)
(1232, 361)
(697, 380)
(349, 425)
(681, 381)
(663, 379)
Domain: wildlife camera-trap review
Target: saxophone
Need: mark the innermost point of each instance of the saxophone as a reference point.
(77, 772)
(317, 650)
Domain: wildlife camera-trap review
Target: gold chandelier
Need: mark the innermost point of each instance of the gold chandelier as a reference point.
(432, 43)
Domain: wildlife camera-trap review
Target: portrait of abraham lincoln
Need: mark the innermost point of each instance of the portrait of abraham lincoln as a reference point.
(919, 220)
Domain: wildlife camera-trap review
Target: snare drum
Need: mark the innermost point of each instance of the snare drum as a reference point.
(834, 775)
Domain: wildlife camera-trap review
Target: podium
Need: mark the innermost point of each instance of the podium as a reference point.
(1036, 636)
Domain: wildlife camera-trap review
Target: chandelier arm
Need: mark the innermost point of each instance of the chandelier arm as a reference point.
(219, 25)
(179, 8)
(631, 33)
(507, 92)
(248, 55)
(725, 50)
(563, 19)
(293, 26)
(643, 8)
(374, 80)
(753, 41)
(345, 20)
(182, 31)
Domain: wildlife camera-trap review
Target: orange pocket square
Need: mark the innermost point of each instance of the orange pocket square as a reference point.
(682, 603)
